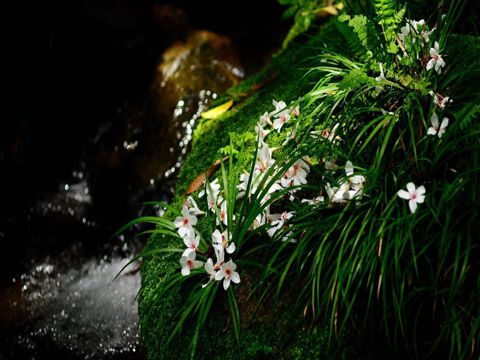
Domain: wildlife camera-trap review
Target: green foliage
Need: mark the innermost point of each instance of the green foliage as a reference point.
(356, 265)
(389, 18)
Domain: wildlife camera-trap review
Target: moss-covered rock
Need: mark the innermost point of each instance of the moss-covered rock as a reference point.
(269, 332)
(262, 337)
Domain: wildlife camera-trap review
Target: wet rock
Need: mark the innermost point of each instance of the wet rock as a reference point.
(146, 144)
(190, 75)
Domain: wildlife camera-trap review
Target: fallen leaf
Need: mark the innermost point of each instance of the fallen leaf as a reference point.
(217, 111)
(198, 182)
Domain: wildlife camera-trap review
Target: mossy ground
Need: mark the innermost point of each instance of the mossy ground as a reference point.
(269, 334)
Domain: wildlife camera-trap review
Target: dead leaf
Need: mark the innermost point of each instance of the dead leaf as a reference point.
(328, 10)
(198, 182)
(217, 111)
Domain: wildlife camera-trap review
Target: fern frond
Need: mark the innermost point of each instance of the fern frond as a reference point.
(365, 30)
(467, 115)
(390, 19)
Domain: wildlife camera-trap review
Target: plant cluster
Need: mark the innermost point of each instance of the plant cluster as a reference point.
(357, 244)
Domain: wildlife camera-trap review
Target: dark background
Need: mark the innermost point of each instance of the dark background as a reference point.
(68, 67)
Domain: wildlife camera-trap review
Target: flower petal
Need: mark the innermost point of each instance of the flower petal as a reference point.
(430, 64)
(178, 221)
(218, 275)
(185, 271)
(226, 283)
(183, 231)
(412, 204)
(404, 194)
(231, 248)
(197, 264)
(444, 123)
(411, 187)
(421, 190)
(349, 168)
(209, 267)
(434, 120)
(235, 277)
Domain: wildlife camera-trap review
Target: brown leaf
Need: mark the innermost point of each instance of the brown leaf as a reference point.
(198, 182)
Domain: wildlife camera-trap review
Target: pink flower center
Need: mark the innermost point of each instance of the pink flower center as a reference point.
(414, 195)
(190, 263)
(296, 169)
(185, 221)
(436, 57)
(228, 272)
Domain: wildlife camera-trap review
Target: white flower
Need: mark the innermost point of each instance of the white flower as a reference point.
(210, 270)
(278, 220)
(413, 195)
(213, 194)
(258, 221)
(242, 187)
(436, 60)
(281, 114)
(265, 120)
(424, 34)
(439, 100)
(437, 128)
(223, 214)
(185, 222)
(193, 207)
(327, 134)
(338, 195)
(261, 132)
(264, 159)
(219, 254)
(404, 31)
(188, 262)
(347, 190)
(314, 201)
(349, 168)
(280, 107)
(222, 239)
(280, 121)
(191, 241)
(227, 273)
(296, 174)
(413, 29)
